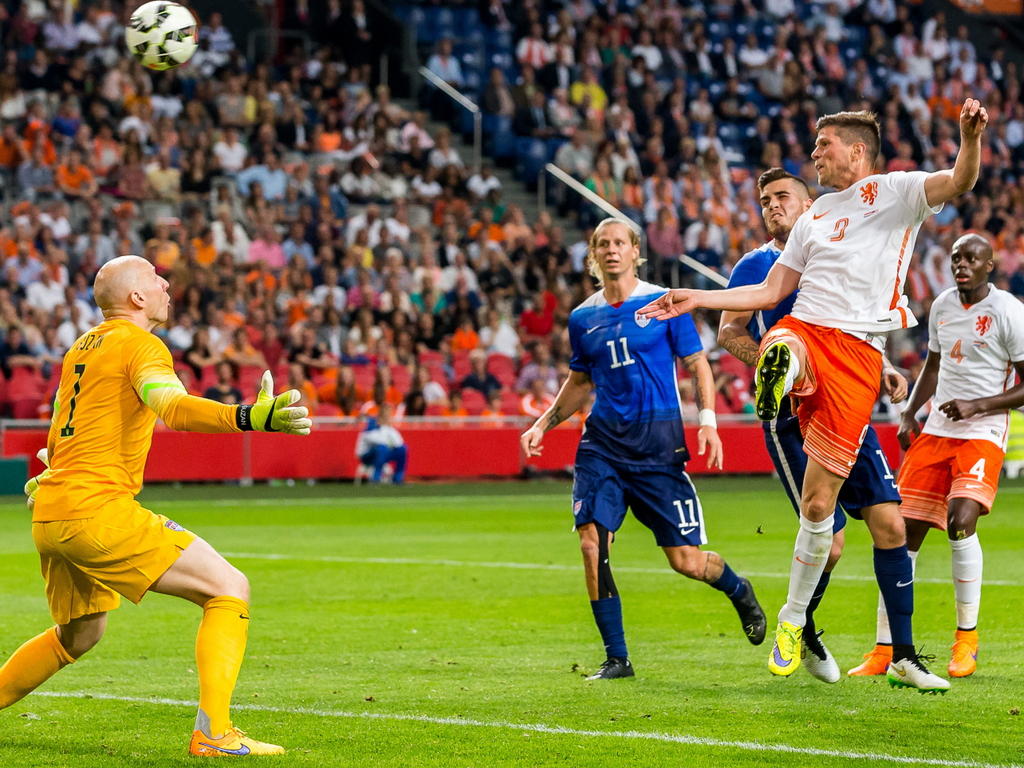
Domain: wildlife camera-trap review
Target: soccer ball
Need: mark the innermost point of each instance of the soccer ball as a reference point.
(162, 35)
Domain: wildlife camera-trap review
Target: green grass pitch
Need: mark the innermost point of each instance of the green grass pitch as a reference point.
(447, 625)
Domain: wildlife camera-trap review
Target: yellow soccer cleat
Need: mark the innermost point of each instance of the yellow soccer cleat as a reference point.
(770, 381)
(964, 659)
(785, 656)
(876, 662)
(234, 743)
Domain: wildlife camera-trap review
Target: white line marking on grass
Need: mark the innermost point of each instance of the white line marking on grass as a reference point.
(341, 501)
(544, 566)
(697, 741)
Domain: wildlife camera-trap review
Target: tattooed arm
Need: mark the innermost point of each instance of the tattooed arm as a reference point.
(734, 336)
(571, 397)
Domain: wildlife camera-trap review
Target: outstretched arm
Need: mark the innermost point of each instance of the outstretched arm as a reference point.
(780, 282)
(571, 397)
(943, 186)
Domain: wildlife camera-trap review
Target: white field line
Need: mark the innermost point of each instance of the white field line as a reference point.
(558, 499)
(698, 741)
(341, 501)
(545, 566)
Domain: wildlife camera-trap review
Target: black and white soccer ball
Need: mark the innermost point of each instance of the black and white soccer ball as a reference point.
(162, 35)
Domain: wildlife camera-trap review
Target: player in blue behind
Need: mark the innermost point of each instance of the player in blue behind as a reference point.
(633, 453)
(783, 199)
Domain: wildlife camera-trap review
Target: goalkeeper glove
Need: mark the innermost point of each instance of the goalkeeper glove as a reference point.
(33, 482)
(274, 414)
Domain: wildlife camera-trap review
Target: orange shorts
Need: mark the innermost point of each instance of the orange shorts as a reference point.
(837, 393)
(938, 469)
(88, 562)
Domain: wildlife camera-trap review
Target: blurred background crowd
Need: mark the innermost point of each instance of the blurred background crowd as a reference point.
(310, 223)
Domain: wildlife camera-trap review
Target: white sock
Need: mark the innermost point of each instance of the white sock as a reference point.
(967, 567)
(882, 634)
(813, 542)
(793, 373)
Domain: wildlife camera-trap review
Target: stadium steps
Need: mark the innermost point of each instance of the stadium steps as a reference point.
(513, 191)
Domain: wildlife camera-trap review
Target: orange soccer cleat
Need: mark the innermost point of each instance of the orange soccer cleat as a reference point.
(964, 658)
(234, 743)
(876, 662)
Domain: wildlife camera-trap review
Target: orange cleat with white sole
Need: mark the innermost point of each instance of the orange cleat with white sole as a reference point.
(964, 659)
(876, 662)
(234, 743)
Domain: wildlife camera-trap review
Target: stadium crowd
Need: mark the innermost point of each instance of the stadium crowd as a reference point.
(310, 224)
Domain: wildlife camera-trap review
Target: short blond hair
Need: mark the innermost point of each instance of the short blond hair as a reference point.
(634, 238)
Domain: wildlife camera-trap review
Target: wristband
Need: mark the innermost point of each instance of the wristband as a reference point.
(707, 418)
(243, 418)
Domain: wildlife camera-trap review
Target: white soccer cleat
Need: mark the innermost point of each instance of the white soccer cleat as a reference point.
(823, 667)
(910, 673)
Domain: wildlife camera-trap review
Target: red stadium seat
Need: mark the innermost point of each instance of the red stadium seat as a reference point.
(473, 401)
(25, 384)
(401, 376)
(510, 402)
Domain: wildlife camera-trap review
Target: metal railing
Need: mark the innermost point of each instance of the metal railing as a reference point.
(466, 104)
(611, 210)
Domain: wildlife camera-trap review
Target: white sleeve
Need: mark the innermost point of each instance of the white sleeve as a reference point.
(1014, 332)
(794, 255)
(909, 187)
(933, 328)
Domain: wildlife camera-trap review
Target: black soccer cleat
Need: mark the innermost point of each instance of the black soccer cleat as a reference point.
(612, 669)
(751, 616)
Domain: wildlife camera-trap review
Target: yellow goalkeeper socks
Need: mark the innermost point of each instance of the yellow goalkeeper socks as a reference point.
(31, 665)
(220, 646)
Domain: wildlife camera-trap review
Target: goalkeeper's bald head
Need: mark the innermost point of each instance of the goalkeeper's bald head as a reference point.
(129, 287)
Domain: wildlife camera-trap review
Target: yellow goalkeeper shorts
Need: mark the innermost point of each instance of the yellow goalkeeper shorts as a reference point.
(88, 562)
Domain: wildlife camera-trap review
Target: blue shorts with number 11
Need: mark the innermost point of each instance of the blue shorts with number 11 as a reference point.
(660, 497)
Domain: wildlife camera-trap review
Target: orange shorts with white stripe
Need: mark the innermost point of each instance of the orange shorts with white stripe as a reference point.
(837, 393)
(939, 469)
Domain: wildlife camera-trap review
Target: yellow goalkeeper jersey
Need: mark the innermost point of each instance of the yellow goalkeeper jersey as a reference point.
(116, 380)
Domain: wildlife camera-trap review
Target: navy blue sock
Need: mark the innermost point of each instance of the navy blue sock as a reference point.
(895, 575)
(608, 615)
(728, 582)
(810, 631)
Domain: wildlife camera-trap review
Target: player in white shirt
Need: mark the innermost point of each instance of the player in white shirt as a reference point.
(848, 255)
(950, 474)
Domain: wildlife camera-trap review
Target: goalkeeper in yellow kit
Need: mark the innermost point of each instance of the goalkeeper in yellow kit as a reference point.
(96, 542)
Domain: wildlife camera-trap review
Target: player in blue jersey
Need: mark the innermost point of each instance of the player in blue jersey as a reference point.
(633, 453)
(783, 199)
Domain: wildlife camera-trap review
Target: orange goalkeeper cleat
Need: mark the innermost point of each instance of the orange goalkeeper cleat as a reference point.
(876, 662)
(234, 743)
(964, 659)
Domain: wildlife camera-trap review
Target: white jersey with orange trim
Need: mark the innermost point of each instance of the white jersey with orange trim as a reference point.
(853, 248)
(978, 346)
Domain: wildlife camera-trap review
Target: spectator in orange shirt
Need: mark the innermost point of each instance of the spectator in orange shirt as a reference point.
(297, 380)
(241, 352)
(465, 337)
(12, 151)
(495, 232)
(74, 179)
(347, 396)
(203, 247)
(492, 412)
(455, 409)
(536, 400)
(161, 250)
(384, 389)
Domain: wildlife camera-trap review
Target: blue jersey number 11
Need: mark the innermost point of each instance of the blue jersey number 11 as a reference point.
(626, 359)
